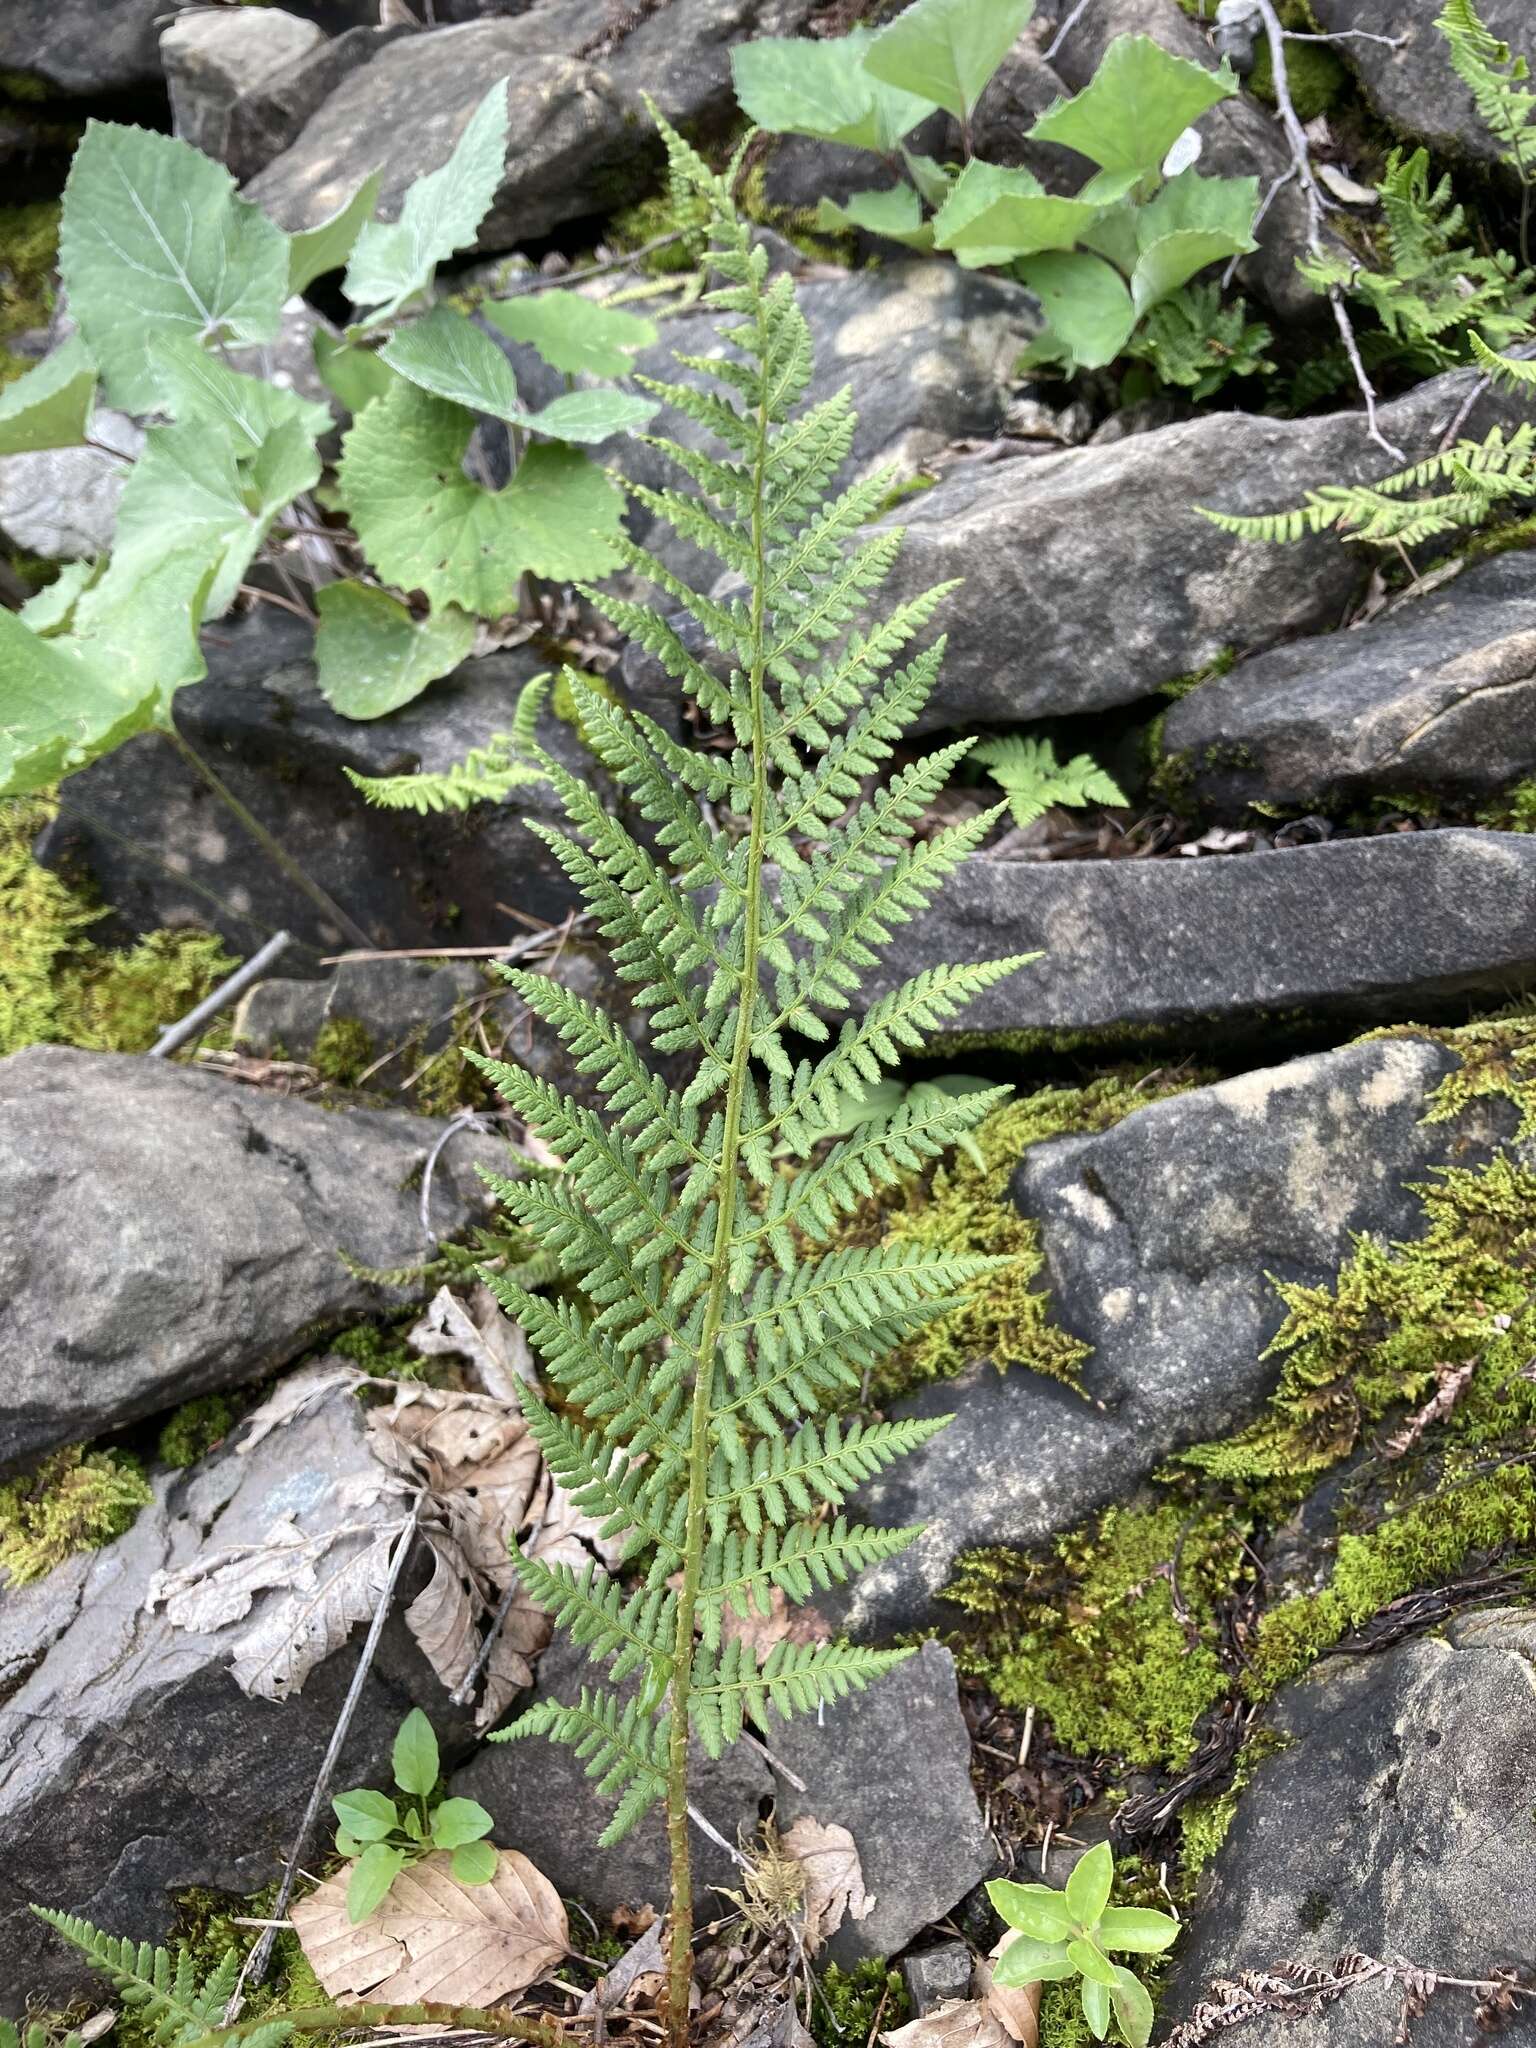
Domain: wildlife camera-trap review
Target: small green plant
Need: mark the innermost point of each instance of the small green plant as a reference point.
(1101, 262)
(384, 1836)
(1498, 82)
(1033, 779)
(1073, 1933)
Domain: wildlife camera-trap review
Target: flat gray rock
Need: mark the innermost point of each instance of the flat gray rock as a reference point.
(581, 143)
(1405, 925)
(131, 1765)
(1394, 1823)
(79, 48)
(213, 58)
(1438, 696)
(169, 1233)
(1160, 1237)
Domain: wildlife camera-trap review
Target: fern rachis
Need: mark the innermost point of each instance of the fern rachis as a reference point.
(719, 1328)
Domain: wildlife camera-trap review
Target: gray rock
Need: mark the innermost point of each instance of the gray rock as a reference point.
(397, 1002)
(937, 1975)
(1408, 924)
(1393, 1823)
(1439, 696)
(892, 1765)
(214, 57)
(544, 1804)
(1414, 86)
(1160, 1239)
(172, 1233)
(131, 1766)
(61, 503)
(161, 849)
(78, 48)
(582, 141)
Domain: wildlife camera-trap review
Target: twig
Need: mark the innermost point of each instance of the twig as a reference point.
(466, 1119)
(1066, 29)
(513, 950)
(548, 284)
(1026, 1738)
(707, 1828)
(254, 1967)
(1347, 35)
(233, 985)
(1317, 206)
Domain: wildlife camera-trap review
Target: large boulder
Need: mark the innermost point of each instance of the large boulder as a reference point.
(581, 138)
(1406, 924)
(161, 849)
(131, 1764)
(1393, 1823)
(79, 49)
(1162, 1240)
(169, 1233)
(1440, 696)
(1405, 69)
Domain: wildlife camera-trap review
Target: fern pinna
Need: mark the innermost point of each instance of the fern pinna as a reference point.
(697, 1398)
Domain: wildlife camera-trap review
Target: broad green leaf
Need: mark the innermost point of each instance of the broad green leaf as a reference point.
(933, 179)
(1137, 1928)
(1027, 1961)
(393, 260)
(994, 215)
(355, 374)
(947, 50)
(1095, 1966)
(425, 526)
(574, 334)
(50, 610)
(67, 700)
(1133, 2007)
(452, 358)
(459, 1820)
(314, 251)
(897, 214)
(372, 656)
(797, 86)
(1096, 2007)
(154, 242)
(414, 1758)
(1034, 1909)
(348, 1845)
(1090, 311)
(372, 1875)
(413, 1825)
(1135, 107)
(366, 1816)
(474, 1862)
(196, 387)
(1193, 221)
(193, 488)
(1088, 1888)
(50, 405)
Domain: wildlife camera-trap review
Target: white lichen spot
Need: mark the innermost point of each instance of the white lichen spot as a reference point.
(1117, 1304)
(1249, 1095)
(212, 846)
(239, 899)
(933, 371)
(177, 863)
(1398, 1078)
(1315, 1187)
(903, 316)
(1090, 1208)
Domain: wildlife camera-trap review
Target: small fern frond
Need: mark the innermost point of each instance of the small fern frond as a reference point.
(623, 1748)
(1033, 779)
(796, 1678)
(169, 1997)
(1514, 372)
(487, 774)
(780, 1478)
(635, 1631)
(741, 1571)
(1497, 80)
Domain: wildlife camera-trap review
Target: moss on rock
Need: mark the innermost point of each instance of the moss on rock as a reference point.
(73, 1500)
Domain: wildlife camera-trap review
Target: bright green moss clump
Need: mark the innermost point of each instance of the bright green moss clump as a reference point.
(29, 249)
(853, 2001)
(342, 1051)
(74, 1500)
(195, 1428)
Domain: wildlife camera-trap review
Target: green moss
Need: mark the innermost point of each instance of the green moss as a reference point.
(380, 1350)
(1204, 1825)
(1317, 77)
(1111, 1634)
(57, 989)
(797, 224)
(342, 1051)
(29, 249)
(964, 1206)
(1515, 811)
(195, 1428)
(1221, 663)
(23, 85)
(632, 227)
(74, 1500)
(853, 2001)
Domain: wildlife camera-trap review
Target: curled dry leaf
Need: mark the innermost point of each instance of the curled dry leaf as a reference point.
(959, 2023)
(479, 1332)
(436, 1939)
(299, 1392)
(635, 1978)
(834, 1880)
(1017, 2008)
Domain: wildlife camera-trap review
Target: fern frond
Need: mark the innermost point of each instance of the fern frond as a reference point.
(634, 1631)
(1515, 372)
(169, 1996)
(740, 1571)
(623, 1748)
(485, 775)
(796, 1678)
(1497, 81)
(1034, 780)
(779, 1478)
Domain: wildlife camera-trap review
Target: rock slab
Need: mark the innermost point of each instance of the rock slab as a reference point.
(169, 1233)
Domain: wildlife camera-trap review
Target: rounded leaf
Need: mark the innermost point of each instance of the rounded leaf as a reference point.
(1092, 1961)
(1136, 1928)
(1133, 2007)
(1096, 2007)
(368, 1816)
(1034, 1909)
(474, 1862)
(459, 1820)
(415, 1755)
(1027, 1961)
(346, 1845)
(1088, 1888)
(376, 1870)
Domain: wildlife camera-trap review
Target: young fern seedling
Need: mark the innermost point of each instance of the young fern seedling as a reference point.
(694, 1399)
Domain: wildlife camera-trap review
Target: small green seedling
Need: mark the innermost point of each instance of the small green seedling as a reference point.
(1069, 1933)
(385, 1835)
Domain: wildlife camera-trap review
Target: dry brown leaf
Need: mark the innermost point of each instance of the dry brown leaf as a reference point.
(480, 1332)
(443, 1615)
(436, 1939)
(782, 1623)
(1017, 2007)
(636, 1976)
(958, 2023)
(298, 1392)
(834, 1880)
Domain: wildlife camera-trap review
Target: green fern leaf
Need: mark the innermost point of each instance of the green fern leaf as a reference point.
(1034, 780)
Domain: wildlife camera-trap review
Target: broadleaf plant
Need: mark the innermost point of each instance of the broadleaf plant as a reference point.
(698, 1380)
(383, 1836)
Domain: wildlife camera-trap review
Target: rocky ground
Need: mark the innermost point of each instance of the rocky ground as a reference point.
(1230, 1548)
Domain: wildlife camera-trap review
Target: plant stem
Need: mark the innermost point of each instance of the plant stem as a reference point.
(680, 1948)
(326, 2019)
(275, 851)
